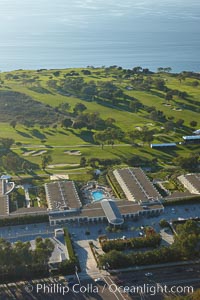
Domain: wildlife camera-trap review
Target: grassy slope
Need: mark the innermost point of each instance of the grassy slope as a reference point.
(125, 120)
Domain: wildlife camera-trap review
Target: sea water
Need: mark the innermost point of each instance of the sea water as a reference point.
(79, 33)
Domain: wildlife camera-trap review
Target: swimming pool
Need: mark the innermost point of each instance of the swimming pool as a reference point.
(98, 195)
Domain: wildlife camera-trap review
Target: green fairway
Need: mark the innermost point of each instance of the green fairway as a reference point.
(33, 141)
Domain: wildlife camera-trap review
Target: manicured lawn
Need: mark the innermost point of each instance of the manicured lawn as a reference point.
(56, 141)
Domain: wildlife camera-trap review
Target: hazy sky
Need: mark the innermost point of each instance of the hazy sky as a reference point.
(36, 16)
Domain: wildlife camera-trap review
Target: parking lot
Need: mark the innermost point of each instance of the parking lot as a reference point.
(83, 233)
(133, 226)
(27, 232)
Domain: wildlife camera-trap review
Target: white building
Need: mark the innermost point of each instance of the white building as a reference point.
(191, 182)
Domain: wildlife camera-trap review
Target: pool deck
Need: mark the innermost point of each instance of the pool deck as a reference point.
(97, 193)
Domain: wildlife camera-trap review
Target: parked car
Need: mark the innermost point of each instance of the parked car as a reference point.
(98, 279)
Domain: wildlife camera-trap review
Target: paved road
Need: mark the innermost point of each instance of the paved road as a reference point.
(47, 289)
(26, 232)
(70, 146)
(81, 239)
(110, 287)
(178, 280)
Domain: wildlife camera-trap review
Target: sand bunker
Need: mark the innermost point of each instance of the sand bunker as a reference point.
(62, 165)
(73, 152)
(27, 153)
(34, 153)
(58, 177)
(39, 153)
(138, 128)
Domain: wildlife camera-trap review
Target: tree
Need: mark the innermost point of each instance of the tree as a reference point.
(11, 161)
(187, 238)
(56, 73)
(66, 123)
(137, 70)
(115, 259)
(179, 122)
(109, 121)
(25, 165)
(134, 135)
(79, 107)
(160, 70)
(89, 91)
(54, 126)
(147, 135)
(159, 84)
(111, 134)
(86, 72)
(163, 223)
(193, 123)
(6, 143)
(111, 142)
(133, 105)
(100, 138)
(52, 84)
(169, 125)
(154, 115)
(181, 77)
(167, 69)
(169, 96)
(13, 123)
(187, 163)
(164, 70)
(83, 161)
(64, 106)
(46, 159)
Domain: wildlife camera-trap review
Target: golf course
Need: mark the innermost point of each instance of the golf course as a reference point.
(71, 121)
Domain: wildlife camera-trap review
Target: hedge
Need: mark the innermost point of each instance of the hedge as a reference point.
(69, 246)
(24, 220)
(131, 243)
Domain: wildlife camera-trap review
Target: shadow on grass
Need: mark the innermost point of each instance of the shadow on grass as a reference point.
(158, 94)
(85, 135)
(63, 132)
(24, 134)
(49, 133)
(36, 133)
(48, 172)
(40, 90)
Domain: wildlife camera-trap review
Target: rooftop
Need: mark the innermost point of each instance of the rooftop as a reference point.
(112, 212)
(5, 188)
(191, 137)
(62, 195)
(164, 145)
(4, 205)
(134, 182)
(193, 179)
(96, 209)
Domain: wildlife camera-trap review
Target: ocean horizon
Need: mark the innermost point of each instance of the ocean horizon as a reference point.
(67, 34)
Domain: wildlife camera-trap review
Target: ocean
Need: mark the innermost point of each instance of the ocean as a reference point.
(62, 34)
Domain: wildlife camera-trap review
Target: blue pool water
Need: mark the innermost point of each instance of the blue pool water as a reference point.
(98, 195)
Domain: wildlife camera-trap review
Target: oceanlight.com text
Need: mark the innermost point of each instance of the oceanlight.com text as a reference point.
(151, 289)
